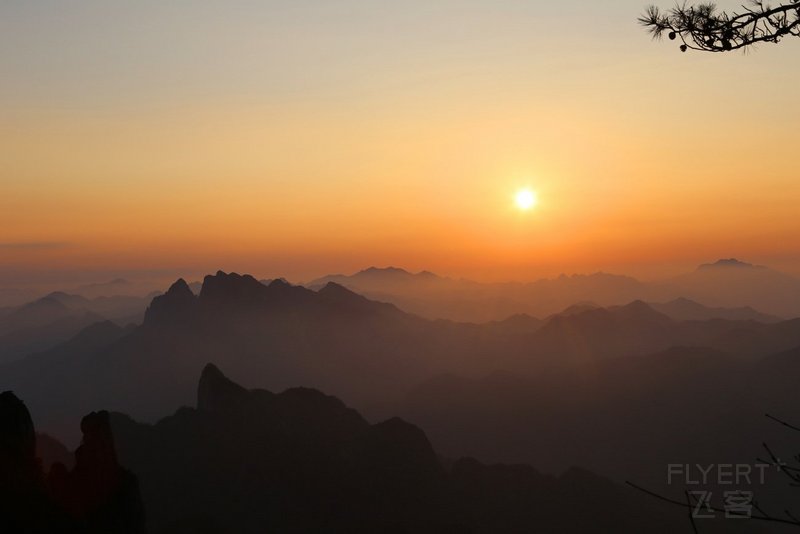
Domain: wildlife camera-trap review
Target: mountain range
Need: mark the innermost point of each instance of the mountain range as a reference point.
(727, 283)
(249, 461)
(94, 495)
(58, 316)
(623, 390)
(377, 356)
(281, 335)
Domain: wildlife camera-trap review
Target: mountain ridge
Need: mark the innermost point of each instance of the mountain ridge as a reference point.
(325, 468)
(716, 285)
(285, 335)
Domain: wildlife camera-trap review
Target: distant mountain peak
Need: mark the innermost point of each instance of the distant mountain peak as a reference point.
(637, 304)
(579, 307)
(344, 299)
(337, 290)
(385, 271)
(180, 287)
(278, 282)
(637, 309)
(518, 318)
(51, 301)
(393, 273)
(684, 309)
(63, 296)
(378, 279)
(171, 305)
(227, 286)
(102, 331)
(640, 308)
(729, 263)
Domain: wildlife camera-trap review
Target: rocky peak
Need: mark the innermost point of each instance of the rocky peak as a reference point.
(17, 436)
(224, 288)
(97, 452)
(727, 263)
(174, 304)
(216, 393)
(336, 291)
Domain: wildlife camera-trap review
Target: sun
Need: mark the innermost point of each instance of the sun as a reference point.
(525, 199)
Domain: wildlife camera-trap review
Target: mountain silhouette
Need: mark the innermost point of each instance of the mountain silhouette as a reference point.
(626, 418)
(369, 353)
(376, 275)
(58, 316)
(590, 333)
(301, 461)
(729, 263)
(727, 283)
(733, 283)
(41, 324)
(177, 303)
(217, 394)
(436, 297)
(25, 505)
(96, 496)
(609, 388)
(683, 309)
(286, 335)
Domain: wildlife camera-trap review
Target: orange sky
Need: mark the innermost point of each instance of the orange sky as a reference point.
(296, 139)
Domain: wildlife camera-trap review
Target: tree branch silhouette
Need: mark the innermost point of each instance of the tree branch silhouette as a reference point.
(702, 27)
(691, 513)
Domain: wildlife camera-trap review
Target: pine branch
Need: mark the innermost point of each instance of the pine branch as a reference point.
(702, 27)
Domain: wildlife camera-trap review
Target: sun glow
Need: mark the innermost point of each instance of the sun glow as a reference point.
(525, 199)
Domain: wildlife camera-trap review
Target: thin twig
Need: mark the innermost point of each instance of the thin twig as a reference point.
(691, 513)
(784, 423)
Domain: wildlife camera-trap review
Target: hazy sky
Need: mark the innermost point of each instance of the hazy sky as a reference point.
(298, 138)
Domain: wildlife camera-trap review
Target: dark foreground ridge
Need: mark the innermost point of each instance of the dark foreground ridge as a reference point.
(301, 461)
(96, 496)
(252, 461)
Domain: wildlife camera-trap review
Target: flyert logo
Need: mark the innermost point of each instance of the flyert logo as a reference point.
(718, 474)
(737, 503)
